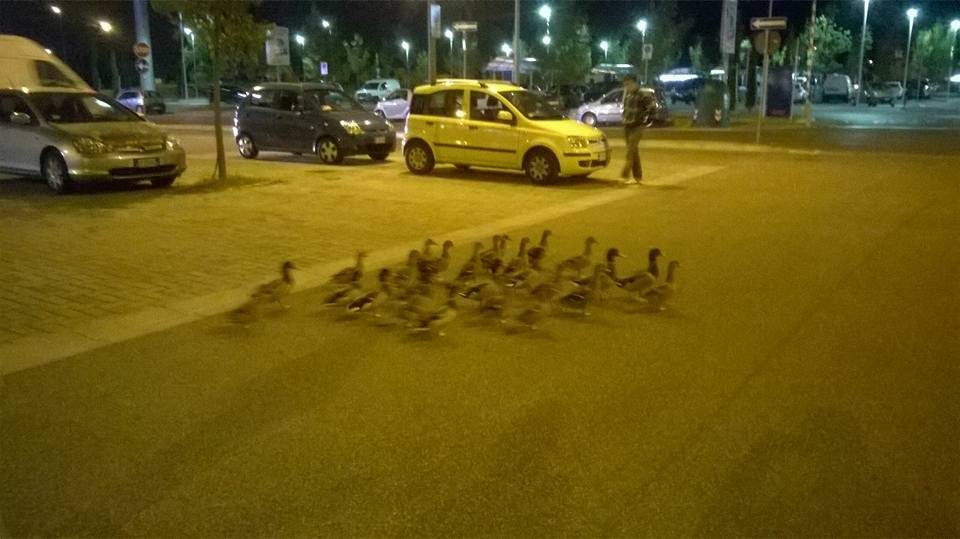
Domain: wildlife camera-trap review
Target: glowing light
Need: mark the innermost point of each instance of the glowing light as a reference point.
(105, 26)
(448, 33)
(675, 77)
(506, 49)
(546, 40)
(56, 10)
(325, 23)
(912, 13)
(300, 39)
(545, 12)
(642, 26)
(604, 46)
(955, 25)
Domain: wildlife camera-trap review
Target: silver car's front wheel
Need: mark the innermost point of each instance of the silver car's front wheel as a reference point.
(55, 172)
(589, 119)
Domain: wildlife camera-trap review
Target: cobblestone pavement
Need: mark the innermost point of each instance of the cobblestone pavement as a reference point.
(114, 251)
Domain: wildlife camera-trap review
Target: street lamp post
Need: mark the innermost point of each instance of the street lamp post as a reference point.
(604, 46)
(59, 13)
(863, 40)
(954, 26)
(406, 53)
(911, 15)
(642, 27)
(302, 41)
(546, 40)
(546, 13)
(326, 26)
(183, 59)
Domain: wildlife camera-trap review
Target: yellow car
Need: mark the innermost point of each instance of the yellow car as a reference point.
(499, 125)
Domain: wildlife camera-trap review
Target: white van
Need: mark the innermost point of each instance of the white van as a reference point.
(25, 64)
(837, 87)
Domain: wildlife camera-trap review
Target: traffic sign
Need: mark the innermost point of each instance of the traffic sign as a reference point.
(768, 23)
(648, 51)
(324, 69)
(141, 50)
(759, 38)
(142, 66)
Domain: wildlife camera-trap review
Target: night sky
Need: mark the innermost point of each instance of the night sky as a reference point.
(388, 21)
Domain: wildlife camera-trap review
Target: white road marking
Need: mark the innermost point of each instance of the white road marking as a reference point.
(37, 350)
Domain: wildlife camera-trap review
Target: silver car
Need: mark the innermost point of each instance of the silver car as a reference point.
(395, 106)
(143, 101)
(606, 110)
(75, 136)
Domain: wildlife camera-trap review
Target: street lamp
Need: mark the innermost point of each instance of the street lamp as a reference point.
(300, 39)
(545, 12)
(448, 33)
(954, 26)
(642, 27)
(546, 41)
(59, 13)
(105, 27)
(911, 15)
(604, 46)
(326, 25)
(506, 50)
(863, 40)
(406, 52)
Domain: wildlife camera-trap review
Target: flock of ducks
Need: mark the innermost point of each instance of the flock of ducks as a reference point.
(424, 294)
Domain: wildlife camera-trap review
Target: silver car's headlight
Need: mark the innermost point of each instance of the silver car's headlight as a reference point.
(172, 144)
(90, 146)
(351, 127)
(577, 142)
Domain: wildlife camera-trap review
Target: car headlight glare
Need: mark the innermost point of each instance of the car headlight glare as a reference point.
(90, 146)
(351, 127)
(577, 142)
(172, 144)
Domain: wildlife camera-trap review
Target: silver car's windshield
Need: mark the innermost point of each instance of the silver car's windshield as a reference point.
(329, 101)
(533, 106)
(71, 108)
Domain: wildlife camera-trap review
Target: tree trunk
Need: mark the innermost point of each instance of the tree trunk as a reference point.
(751, 98)
(114, 72)
(215, 69)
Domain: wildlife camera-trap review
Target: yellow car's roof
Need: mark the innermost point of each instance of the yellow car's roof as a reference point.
(494, 85)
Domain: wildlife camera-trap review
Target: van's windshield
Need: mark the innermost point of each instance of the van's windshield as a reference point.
(71, 108)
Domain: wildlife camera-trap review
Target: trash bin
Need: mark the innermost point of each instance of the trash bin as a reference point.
(713, 105)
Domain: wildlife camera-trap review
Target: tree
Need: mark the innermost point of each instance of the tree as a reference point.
(234, 39)
(359, 61)
(931, 52)
(696, 56)
(832, 44)
(667, 32)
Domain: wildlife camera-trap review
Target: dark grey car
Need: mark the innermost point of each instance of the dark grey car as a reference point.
(309, 117)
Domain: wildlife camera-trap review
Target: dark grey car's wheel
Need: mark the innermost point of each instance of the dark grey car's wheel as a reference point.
(55, 173)
(589, 119)
(246, 147)
(163, 182)
(541, 166)
(329, 151)
(419, 158)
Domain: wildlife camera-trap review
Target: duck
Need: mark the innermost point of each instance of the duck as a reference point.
(520, 262)
(610, 270)
(435, 322)
(530, 315)
(351, 274)
(493, 258)
(427, 244)
(539, 252)
(271, 292)
(580, 262)
(429, 268)
(579, 299)
(468, 271)
(658, 296)
(367, 302)
(404, 275)
(643, 280)
(342, 295)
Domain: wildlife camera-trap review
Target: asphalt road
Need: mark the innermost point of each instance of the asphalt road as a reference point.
(802, 383)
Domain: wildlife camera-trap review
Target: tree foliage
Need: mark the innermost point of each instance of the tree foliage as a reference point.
(358, 60)
(833, 43)
(233, 37)
(931, 53)
(667, 32)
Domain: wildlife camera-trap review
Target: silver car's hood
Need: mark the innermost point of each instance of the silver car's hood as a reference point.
(116, 133)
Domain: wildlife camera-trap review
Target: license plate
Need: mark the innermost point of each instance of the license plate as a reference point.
(379, 140)
(146, 163)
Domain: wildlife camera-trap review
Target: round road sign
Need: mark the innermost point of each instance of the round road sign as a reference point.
(141, 49)
(774, 42)
(142, 66)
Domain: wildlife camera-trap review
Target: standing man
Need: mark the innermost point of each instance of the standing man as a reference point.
(635, 112)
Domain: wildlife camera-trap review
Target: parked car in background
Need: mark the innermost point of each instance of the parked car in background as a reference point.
(142, 102)
(609, 109)
(837, 87)
(685, 91)
(597, 90)
(888, 92)
(571, 96)
(920, 89)
(799, 92)
(229, 94)
(313, 118)
(395, 106)
(498, 125)
(376, 89)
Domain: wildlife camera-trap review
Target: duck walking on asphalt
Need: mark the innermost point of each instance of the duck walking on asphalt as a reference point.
(580, 262)
(368, 302)
(351, 274)
(579, 299)
(539, 252)
(643, 280)
(430, 268)
(267, 293)
(658, 296)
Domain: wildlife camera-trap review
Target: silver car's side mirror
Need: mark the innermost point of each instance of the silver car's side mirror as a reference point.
(21, 118)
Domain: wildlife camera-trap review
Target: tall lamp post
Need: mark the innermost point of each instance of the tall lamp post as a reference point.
(642, 27)
(546, 41)
(863, 40)
(954, 26)
(59, 13)
(183, 58)
(406, 59)
(911, 15)
(546, 12)
(302, 41)
(326, 26)
(604, 46)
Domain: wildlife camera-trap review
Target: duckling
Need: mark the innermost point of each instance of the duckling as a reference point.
(350, 274)
(580, 262)
(519, 263)
(579, 299)
(540, 251)
(270, 292)
(643, 280)
(658, 296)
(367, 302)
